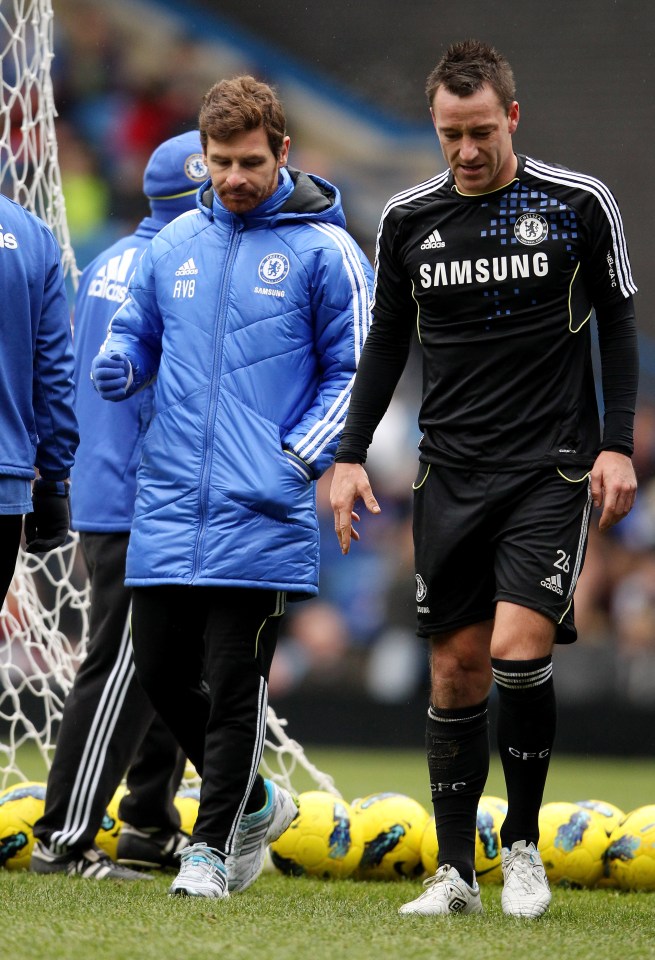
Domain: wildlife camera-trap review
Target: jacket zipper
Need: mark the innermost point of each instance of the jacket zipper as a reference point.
(210, 424)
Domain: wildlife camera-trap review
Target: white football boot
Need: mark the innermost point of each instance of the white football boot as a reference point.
(445, 893)
(526, 892)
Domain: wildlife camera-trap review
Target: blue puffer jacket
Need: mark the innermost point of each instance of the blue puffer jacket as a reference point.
(103, 480)
(37, 423)
(252, 326)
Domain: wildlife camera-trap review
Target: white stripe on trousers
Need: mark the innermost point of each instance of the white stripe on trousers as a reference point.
(100, 733)
(262, 721)
(262, 711)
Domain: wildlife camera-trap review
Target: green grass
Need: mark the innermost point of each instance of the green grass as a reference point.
(281, 918)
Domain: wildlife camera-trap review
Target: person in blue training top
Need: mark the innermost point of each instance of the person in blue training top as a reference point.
(108, 721)
(38, 428)
(250, 314)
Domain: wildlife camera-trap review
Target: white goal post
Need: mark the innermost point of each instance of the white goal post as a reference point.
(44, 620)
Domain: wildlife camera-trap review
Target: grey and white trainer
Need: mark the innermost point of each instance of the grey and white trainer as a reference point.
(202, 873)
(255, 832)
(91, 864)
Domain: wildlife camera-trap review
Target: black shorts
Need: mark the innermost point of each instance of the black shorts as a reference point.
(482, 537)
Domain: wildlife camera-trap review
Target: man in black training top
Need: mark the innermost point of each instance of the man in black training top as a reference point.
(498, 264)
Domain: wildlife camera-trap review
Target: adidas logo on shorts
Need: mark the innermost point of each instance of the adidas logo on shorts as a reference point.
(553, 583)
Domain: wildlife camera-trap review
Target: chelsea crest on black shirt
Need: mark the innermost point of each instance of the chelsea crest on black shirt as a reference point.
(500, 288)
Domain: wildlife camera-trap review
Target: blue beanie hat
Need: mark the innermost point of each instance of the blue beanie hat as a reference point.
(173, 174)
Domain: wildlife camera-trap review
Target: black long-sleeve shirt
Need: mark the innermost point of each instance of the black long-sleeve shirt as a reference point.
(500, 289)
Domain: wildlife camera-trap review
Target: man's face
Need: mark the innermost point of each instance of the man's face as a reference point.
(475, 134)
(243, 169)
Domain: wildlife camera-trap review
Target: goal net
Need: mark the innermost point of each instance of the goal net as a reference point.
(29, 169)
(44, 620)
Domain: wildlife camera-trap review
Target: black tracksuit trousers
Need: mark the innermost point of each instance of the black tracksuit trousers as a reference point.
(11, 527)
(109, 724)
(203, 654)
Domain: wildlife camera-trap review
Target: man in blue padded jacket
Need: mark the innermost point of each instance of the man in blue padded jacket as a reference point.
(250, 313)
(108, 721)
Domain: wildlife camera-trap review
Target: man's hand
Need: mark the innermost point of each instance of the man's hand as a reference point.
(111, 375)
(613, 486)
(350, 482)
(46, 528)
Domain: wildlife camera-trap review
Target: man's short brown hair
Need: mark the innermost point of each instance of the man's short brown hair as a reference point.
(467, 66)
(241, 104)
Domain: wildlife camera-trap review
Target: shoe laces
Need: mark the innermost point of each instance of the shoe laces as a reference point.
(521, 864)
(439, 877)
(200, 857)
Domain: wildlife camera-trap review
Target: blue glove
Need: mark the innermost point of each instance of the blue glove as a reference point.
(47, 526)
(111, 375)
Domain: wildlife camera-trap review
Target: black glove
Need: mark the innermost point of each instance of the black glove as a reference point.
(47, 526)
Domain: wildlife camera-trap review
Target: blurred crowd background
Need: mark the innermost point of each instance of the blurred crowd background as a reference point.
(128, 76)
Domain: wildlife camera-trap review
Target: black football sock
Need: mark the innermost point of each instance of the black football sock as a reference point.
(526, 732)
(457, 745)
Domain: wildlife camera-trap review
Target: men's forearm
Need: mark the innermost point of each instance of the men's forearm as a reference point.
(381, 365)
(617, 333)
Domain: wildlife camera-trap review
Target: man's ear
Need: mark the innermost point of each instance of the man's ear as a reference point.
(284, 152)
(513, 116)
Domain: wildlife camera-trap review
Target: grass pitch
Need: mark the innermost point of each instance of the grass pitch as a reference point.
(280, 918)
(284, 918)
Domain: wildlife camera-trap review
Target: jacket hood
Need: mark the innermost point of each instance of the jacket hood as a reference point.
(300, 196)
